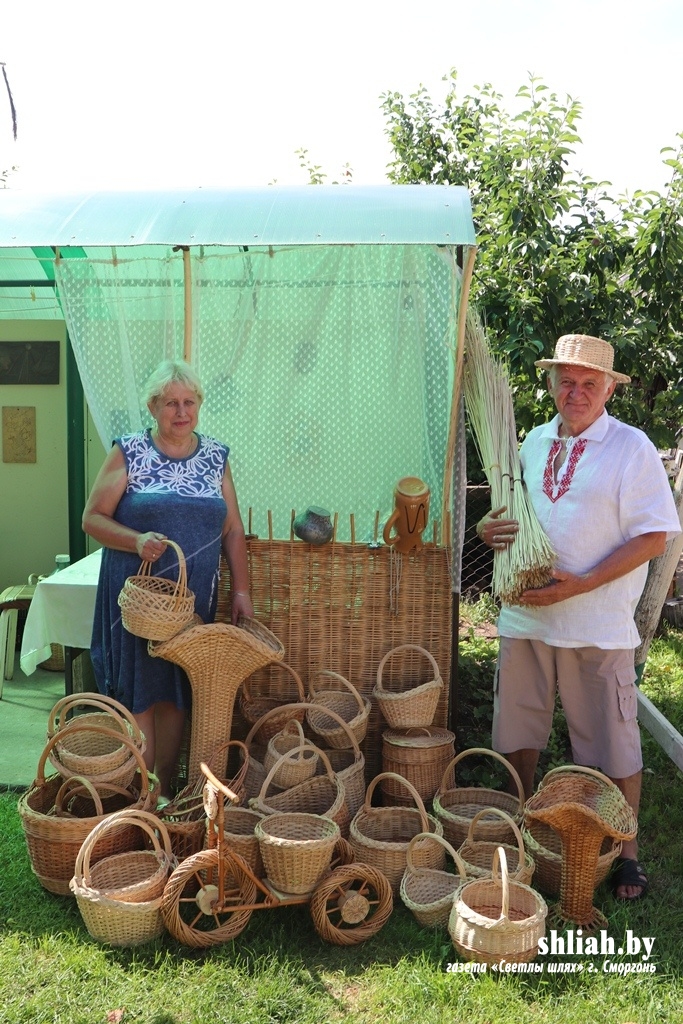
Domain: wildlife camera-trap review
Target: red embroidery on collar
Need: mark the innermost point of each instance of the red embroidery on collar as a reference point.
(555, 491)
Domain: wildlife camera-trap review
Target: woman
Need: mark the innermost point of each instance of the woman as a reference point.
(165, 482)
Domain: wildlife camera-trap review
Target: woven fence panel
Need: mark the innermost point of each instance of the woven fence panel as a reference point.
(331, 608)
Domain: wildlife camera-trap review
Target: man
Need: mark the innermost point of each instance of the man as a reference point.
(602, 496)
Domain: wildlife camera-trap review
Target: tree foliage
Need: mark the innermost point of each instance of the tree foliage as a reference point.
(557, 254)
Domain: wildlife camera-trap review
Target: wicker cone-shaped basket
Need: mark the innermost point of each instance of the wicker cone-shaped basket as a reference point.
(348, 704)
(494, 918)
(279, 692)
(456, 806)
(290, 771)
(409, 704)
(54, 836)
(380, 836)
(296, 850)
(91, 753)
(477, 854)
(154, 607)
(427, 892)
(323, 795)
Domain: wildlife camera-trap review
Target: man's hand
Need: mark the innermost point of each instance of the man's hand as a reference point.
(563, 586)
(495, 532)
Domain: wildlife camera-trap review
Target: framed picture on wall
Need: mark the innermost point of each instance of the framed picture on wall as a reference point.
(29, 362)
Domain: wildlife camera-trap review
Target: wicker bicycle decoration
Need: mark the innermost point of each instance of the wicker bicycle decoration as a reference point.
(211, 896)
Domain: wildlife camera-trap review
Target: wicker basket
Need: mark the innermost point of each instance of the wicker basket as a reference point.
(256, 705)
(380, 836)
(88, 752)
(410, 704)
(119, 897)
(419, 755)
(455, 807)
(290, 771)
(348, 704)
(323, 795)
(477, 854)
(239, 832)
(495, 919)
(154, 607)
(428, 892)
(296, 850)
(55, 663)
(54, 837)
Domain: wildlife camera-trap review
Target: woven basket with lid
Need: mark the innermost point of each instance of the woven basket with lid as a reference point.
(420, 755)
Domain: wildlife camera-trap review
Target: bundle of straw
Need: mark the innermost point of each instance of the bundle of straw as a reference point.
(528, 561)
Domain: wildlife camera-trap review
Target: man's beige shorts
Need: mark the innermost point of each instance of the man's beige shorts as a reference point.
(598, 694)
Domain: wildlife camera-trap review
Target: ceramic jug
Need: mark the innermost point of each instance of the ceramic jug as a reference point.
(314, 525)
(410, 515)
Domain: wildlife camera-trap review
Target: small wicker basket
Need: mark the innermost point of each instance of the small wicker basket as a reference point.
(278, 694)
(427, 892)
(410, 704)
(477, 854)
(494, 918)
(155, 607)
(323, 795)
(456, 806)
(348, 704)
(296, 850)
(290, 771)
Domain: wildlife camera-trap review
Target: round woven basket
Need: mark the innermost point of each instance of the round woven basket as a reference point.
(477, 854)
(408, 704)
(154, 607)
(290, 771)
(54, 837)
(420, 755)
(279, 693)
(348, 704)
(92, 753)
(296, 849)
(239, 830)
(456, 806)
(428, 892)
(323, 795)
(494, 918)
(380, 836)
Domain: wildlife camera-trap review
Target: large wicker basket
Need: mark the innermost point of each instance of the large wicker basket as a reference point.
(428, 892)
(88, 751)
(495, 919)
(408, 703)
(155, 607)
(419, 755)
(296, 849)
(456, 806)
(348, 703)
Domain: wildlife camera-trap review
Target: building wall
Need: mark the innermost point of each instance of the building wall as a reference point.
(33, 496)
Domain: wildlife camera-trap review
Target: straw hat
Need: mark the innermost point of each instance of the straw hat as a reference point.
(582, 350)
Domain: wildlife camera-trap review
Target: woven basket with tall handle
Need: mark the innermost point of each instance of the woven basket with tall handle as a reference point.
(407, 703)
(322, 794)
(380, 836)
(274, 693)
(455, 806)
(348, 704)
(477, 854)
(154, 607)
(428, 892)
(496, 919)
(88, 752)
(290, 771)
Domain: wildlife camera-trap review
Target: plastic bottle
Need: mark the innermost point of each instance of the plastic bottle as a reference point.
(61, 562)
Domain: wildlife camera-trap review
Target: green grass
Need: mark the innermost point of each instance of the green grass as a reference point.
(278, 970)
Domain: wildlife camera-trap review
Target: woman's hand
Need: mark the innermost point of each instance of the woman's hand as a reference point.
(241, 605)
(495, 532)
(150, 545)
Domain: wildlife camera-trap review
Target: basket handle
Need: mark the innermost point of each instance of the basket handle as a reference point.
(457, 859)
(579, 768)
(304, 706)
(289, 756)
(83, 783)
(500, 860)
(335, 675)
(181, 583)
(278, 664)
(500, 813)
(212, 762)
(40, 780)
(490, 753)
(406, 647)
(57, 718)
(408, 785)
(149, 823)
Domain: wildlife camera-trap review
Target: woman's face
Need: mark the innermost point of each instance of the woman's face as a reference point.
(176, 411)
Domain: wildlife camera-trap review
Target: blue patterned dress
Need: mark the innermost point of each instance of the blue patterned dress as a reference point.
(183, 499)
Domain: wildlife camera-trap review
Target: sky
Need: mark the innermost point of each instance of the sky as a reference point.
(144, 95)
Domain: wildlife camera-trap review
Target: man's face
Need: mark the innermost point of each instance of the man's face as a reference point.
(579, 394)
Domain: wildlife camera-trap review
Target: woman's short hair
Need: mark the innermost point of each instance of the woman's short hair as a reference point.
(169, 372)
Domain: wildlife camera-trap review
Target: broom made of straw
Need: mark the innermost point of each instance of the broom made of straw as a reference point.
(527, 562)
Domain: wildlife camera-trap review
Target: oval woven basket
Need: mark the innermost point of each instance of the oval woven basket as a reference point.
(255, 706)
(54, 839)
(477, 854)
(89, 752)
(154, 607)
(290, 771)
(494, 918)
(348, 704)
(408, 704)
(296, 849)
(380, 836)
(428, 892)
(323, 795)
(456, 806)
(420, 755)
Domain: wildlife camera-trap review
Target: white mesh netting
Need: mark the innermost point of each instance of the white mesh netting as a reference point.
(327, 369)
